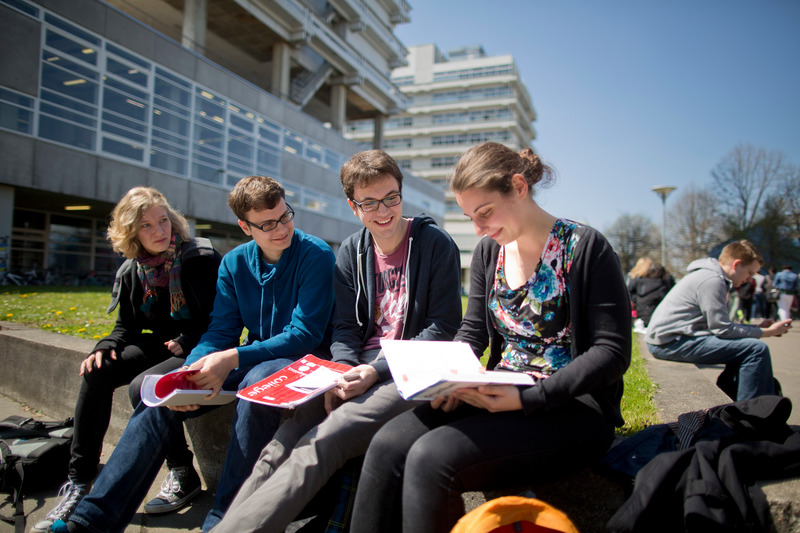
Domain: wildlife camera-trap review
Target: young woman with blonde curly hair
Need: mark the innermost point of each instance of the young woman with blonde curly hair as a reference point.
(165, 292)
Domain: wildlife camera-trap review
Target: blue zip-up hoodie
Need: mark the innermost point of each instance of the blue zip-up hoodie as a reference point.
(286, 307)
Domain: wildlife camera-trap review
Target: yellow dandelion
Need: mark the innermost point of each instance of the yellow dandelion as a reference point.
(72, 308)
(59, 312)
(46, 326)
(24, 295)
(10, 315)
(82, 329)
(96, 337)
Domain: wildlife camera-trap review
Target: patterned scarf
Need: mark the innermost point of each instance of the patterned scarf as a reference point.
(160, 271)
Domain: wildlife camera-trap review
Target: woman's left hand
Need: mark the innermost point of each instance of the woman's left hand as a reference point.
(174, 347)
(493, 398)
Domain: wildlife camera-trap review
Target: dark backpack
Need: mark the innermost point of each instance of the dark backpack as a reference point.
(33, 455)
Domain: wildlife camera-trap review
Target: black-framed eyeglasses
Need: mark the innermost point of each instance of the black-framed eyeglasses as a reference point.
(270, 225)
(373, 205)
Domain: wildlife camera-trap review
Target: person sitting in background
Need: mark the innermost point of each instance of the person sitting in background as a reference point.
(787, 283)
(165, 291)
(692, 325)
(396, 278)
(647, 291)
(279, 286)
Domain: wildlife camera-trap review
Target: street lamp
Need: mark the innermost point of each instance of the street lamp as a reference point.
(663, 191)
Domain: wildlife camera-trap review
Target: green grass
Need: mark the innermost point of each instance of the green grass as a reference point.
(76, 311)
(80, 312)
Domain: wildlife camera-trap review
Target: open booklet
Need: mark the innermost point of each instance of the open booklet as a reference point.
(425, 370)
(296, 383)
(174, 389)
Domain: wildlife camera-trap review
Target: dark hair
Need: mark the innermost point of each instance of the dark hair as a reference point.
(491, 165)
(254, 193)
(656, 270)
(367, 167)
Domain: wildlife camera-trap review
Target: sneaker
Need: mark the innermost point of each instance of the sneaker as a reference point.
(180, 486)
(70, 494)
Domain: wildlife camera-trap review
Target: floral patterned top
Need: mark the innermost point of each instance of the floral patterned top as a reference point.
(534, 319)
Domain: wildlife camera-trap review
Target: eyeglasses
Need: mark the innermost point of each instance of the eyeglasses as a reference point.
(270, 225)
(373, 205)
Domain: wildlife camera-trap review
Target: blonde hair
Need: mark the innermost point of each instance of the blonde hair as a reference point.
(490, 166)
(641, 268)
(127, 215)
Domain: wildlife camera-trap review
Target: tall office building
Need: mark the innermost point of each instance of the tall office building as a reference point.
(456, 101)
(188, 96)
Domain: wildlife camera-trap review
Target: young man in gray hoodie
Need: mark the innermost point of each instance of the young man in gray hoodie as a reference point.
(691, 324)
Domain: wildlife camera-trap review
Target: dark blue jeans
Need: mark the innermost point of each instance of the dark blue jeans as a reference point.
(749, 356)
(124, 481)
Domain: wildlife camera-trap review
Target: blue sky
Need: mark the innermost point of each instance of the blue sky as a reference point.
(633, 94)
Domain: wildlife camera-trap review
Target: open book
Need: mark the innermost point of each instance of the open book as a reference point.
(175, 389)
(296, 383)
(425, 370)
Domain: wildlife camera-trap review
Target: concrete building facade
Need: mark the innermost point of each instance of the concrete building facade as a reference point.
(456, 100)
(189, 97)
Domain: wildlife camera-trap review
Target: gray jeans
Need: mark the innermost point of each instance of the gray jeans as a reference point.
(305, 452)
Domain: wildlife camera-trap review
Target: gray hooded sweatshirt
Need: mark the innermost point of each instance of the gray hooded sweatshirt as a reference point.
(696, 306)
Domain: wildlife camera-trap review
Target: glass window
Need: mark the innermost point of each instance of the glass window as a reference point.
(333, 160)
(127, 106)
(167, 90)
(205, 172)
(76, 50)
(314, 152)
(16, 112)
(169, 122)
(79, 87)
(65, 132)
(164, 160)
(127, 56)
(210, 106)
(293, 143)
(268, 160)
(123, 149)
(23, 6)
(128, 73)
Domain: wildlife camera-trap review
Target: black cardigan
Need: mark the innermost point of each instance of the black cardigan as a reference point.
(199, 266)
(600, 315)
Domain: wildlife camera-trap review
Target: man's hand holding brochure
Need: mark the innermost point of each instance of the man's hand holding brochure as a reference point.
(426, 370)
(295, 384)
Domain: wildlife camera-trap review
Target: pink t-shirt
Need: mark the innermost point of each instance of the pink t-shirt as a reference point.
(390, 294)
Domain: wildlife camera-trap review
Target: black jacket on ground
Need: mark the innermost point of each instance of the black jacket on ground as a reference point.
(701, 472)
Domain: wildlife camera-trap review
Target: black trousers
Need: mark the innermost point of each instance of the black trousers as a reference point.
(419, 463)
(93, 408)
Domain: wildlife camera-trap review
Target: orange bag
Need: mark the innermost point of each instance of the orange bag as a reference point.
(511, 514)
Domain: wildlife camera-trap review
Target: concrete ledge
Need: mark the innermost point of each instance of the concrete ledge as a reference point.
(41, 369)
